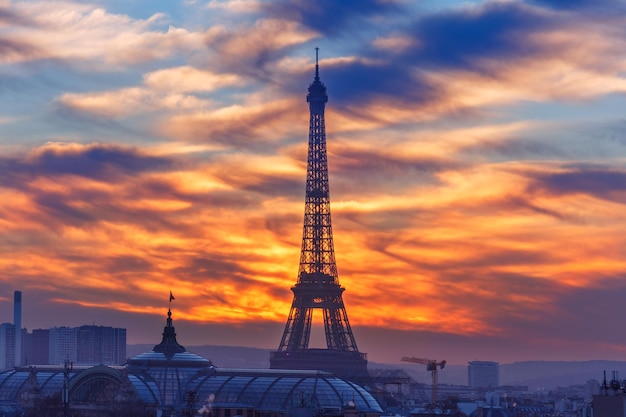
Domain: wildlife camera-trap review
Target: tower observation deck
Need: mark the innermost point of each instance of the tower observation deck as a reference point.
(317, 285)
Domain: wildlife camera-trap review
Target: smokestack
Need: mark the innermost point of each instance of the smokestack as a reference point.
(17, 322)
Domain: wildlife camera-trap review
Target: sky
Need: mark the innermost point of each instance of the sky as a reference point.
(476, 152)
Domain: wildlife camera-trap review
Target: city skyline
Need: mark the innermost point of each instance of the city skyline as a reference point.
(475, 150)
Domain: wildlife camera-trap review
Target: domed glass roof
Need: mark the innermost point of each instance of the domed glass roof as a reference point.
(12, 382)
(168, 353)
(169, 365)
(183, 359)
(275, 390)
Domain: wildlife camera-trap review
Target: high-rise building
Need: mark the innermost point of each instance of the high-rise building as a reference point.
(7, 345)
(100, 344)
(84, 345)
(27, 348)
(40, 347)
(483, 374)
(62, 345)
(89, 344)
(317, 286)
(119, 346)
(17, 322)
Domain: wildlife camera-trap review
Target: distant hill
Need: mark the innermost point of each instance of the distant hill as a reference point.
(536, 375)
(550, 374)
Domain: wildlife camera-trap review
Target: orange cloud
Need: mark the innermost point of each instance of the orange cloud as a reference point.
(189, 79)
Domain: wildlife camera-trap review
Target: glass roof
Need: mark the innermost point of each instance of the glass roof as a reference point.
(181, 359)
(261, 389)
(147, 390)
(266, 390)
(12, 382)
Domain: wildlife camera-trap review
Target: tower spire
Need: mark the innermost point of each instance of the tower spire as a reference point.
(169, 345)
(317, 285)
(317, 66)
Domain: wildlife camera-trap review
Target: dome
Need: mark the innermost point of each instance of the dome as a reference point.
(274, 390)
(169, 366)
(168, 353)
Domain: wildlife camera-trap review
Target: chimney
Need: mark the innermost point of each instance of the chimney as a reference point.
(17, 322)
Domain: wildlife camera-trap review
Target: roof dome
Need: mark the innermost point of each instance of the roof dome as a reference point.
(169, 353)
(273, 390)
(169, 366)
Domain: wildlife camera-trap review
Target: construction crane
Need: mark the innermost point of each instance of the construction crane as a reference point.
(431, 365)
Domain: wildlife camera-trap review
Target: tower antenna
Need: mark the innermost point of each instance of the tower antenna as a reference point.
(317, 66)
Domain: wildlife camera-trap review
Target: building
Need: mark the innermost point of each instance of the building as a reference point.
(62, 345)
(611, 400)
(483, 374)
(89, 345)
(40, 347)
(27, 347)
(11, 335)
(17, 322)
(85, 345)
(7, 345)
(100, 345)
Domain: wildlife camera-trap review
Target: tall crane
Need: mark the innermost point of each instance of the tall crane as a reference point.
(431, 365)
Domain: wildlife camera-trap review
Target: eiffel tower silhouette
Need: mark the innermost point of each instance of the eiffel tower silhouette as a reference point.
(318, 283)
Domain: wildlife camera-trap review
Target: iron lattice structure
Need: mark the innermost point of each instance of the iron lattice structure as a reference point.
(318, 285)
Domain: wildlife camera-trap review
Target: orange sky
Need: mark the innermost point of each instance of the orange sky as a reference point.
(477, 188)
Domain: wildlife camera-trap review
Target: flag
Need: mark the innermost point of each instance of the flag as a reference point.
(171, 296)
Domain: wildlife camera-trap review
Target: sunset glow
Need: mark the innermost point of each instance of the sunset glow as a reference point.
(476, 154)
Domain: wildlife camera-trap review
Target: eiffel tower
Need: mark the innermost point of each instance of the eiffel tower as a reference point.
(318, 286)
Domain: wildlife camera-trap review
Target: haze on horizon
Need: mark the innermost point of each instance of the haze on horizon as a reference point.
(477, 170)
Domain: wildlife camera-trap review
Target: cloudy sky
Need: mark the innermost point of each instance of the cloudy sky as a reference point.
(477, 157)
